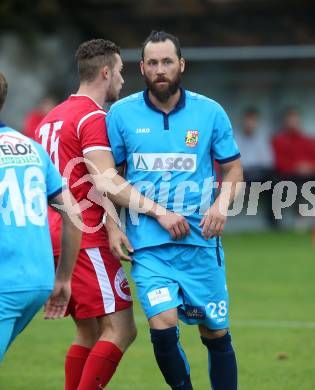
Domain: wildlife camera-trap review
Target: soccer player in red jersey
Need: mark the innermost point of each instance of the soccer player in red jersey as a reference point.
(74, 134)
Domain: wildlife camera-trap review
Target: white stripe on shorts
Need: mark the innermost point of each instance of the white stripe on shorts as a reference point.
(103, 279)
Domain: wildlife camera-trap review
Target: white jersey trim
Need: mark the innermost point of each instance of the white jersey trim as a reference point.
(92, 148)
(87, 116)
(108, 296)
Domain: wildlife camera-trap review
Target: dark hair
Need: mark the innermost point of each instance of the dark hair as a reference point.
(162, 36)
(3, 90)
(251, 111)
(92, 55)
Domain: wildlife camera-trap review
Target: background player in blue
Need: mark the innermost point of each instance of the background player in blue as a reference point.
(168, 138)
(28, 180)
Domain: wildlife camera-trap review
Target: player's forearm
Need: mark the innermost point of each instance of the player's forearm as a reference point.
(101, 166)
(70, 246)
(122, 193)
(65, 204)
(231, 186)
(112, 223)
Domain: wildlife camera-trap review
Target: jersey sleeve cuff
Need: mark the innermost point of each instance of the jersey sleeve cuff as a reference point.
(228, 159)
(93, 148)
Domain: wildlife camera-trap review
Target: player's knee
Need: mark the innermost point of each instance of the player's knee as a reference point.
(122, 337)
(87, 332)
(212, 334)
(86, 340)
(132, 334)
(219, 344)
(86, 337)
(164, 320)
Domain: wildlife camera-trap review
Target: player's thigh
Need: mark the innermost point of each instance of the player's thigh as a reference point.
(204, 288)
(155, 280)
(34, 300)
(6, 330)
(119, 321)
(16, 311)
(118, 327)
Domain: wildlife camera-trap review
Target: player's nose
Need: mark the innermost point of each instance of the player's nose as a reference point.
(160, 69)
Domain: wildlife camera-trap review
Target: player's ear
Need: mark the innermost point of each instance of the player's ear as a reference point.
(141, 67)
(105, 72)
(182, 65)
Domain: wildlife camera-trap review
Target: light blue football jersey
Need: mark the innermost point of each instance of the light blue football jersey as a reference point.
(169, 158)
(27, 179)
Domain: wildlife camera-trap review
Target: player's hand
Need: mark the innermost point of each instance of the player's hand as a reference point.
(213, 222)
(58, 301)
(175, 224)
(119, 244)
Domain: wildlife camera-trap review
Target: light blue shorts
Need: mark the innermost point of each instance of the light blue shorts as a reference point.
(16, 311)
(190, 278)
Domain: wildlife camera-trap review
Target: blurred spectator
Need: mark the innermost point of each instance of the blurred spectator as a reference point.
(294, 156)
(35, 116)
(294, 151)
(256, 155)
(255, 148)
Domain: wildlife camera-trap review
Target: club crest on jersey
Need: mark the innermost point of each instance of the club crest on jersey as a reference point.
(191, 138)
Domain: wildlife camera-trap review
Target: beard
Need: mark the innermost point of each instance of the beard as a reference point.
(162, 95)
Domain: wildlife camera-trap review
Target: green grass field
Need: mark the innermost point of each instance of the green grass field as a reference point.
(272, 289)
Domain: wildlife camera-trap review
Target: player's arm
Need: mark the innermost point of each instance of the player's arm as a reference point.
(116, 237)
(118, 240)
(214, 220)
(101, 166)
(64, 203)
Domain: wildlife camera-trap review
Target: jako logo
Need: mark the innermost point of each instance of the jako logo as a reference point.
(164, 162)
(143, 130)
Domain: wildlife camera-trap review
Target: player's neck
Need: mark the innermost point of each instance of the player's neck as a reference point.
(96, 94)
(168, 105)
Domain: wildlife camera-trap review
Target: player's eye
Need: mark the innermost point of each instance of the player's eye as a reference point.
(152, 62)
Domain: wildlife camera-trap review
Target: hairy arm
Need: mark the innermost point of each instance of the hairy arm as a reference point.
(214, 220)
(101, 166)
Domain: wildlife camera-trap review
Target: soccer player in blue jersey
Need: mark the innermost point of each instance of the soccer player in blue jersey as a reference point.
(28, 181)
(168, 139)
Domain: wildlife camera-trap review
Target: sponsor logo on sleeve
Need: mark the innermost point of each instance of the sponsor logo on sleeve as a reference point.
(163, 162)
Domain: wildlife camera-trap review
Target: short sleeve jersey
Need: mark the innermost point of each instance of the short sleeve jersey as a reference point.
(27, 180)
(70, 130)
(169, 158)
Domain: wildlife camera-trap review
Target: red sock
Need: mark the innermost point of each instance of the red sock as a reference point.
(74, 364)
(100, 366)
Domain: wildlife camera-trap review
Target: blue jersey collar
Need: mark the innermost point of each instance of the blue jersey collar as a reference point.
(2, 124)
(180, 104)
